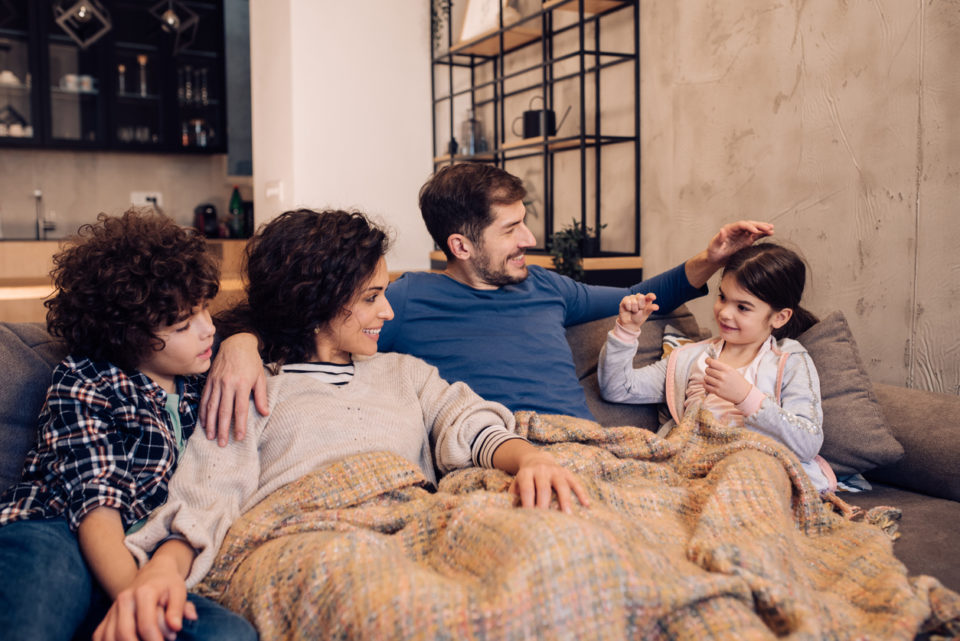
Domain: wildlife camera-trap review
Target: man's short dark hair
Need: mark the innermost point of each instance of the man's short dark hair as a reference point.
(458, 200)
(120, 279)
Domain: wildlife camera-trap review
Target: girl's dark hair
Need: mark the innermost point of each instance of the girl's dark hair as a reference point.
(458, 200)
(302, 268)
(776, 275)
(120, 279)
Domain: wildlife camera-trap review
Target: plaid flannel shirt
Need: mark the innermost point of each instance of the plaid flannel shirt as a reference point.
(105, 440)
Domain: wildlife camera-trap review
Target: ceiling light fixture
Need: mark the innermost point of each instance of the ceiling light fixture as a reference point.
(177, 19)
(86, 21)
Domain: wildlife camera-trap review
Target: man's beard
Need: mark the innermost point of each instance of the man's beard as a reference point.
(499, 277)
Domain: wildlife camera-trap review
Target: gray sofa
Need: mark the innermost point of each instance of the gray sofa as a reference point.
(922, 478)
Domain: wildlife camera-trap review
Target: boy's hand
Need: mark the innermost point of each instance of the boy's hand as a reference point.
(725, 381)
(635, 309)
(539, 476)
(151, 608)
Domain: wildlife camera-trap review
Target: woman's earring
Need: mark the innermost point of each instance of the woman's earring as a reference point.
(316, 330)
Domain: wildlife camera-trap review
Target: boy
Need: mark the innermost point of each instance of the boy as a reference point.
(131, 305)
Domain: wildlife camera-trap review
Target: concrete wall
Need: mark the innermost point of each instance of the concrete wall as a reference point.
(835, 120)
(341, 112)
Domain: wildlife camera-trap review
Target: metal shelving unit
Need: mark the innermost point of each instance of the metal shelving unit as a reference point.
(484, 58)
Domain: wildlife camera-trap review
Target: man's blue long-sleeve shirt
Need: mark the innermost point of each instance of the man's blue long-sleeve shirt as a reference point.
(509, 344)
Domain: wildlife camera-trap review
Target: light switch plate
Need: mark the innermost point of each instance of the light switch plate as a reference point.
(146, 198)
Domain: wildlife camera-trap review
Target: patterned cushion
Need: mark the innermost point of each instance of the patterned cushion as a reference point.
(672, 339)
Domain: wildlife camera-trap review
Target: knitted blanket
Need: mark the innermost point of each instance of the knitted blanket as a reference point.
(712, 533)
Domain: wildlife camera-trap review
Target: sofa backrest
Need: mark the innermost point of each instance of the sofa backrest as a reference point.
(585, 343)
(28, 355)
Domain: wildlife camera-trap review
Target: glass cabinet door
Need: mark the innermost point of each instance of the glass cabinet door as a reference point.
(138, 114)
(140, 77)
(112, 74)
(17, 98)
(75, 97)
(198, 100)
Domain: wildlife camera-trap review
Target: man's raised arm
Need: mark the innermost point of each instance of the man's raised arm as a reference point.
(730, 239)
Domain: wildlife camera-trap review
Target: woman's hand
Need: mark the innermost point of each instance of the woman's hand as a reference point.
(635, 309)
(725, 381)
(236, 371)
(539, 476)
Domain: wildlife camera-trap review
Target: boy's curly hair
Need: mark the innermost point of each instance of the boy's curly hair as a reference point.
(120, 279)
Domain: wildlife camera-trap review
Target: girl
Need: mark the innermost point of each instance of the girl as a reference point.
(315, 298)
(753, 374)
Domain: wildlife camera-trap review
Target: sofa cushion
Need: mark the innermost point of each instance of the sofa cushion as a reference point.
(926, 424)
(586, 339)
(617, 414)
(855, 434)
(27, 356)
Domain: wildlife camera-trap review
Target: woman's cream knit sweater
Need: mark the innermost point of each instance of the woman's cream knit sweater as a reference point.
(394, 402)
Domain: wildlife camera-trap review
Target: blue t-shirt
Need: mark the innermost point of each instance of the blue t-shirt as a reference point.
(509, 344)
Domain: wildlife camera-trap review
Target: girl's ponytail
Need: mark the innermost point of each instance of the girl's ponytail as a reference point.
(799, 322)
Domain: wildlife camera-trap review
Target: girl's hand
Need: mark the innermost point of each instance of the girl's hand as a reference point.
(539, 476)
(635, 309)
(725, 381)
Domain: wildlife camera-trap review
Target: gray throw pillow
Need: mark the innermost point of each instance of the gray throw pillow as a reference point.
(855, 434)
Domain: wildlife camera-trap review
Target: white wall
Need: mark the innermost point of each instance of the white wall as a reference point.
(340, 97)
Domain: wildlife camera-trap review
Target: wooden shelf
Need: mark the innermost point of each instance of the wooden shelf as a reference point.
(484, 157)
(590, 6)
(438, 261)
(488, 44)
(553, 144)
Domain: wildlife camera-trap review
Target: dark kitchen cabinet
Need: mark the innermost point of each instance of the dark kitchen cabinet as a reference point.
(136, 87)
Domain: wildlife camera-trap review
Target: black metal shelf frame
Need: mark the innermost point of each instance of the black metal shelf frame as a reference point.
(591, 61)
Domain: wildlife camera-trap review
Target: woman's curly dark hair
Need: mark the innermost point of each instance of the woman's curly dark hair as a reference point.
(302, 269)
(120, 279)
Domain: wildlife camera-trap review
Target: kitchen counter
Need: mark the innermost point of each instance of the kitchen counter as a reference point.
(25, 283)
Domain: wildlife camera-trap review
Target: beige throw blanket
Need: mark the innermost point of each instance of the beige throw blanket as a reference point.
(713, 533)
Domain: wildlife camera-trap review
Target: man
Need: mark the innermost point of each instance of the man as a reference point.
(488, 320)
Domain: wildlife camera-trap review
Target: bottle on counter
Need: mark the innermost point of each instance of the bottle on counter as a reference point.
(237, 221)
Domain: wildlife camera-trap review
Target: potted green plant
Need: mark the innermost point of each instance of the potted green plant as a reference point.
(439, 16)
(568, 247)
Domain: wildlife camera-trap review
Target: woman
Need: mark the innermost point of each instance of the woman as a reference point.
(315, 298)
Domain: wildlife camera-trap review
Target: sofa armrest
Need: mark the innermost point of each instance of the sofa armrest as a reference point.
(927, 425)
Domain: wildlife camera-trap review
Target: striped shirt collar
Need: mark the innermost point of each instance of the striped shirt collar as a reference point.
(332, 373)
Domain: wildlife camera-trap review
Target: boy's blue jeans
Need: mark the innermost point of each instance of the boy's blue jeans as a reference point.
(47, 591)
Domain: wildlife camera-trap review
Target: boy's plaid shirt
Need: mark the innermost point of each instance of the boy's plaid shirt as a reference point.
(105, 440)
